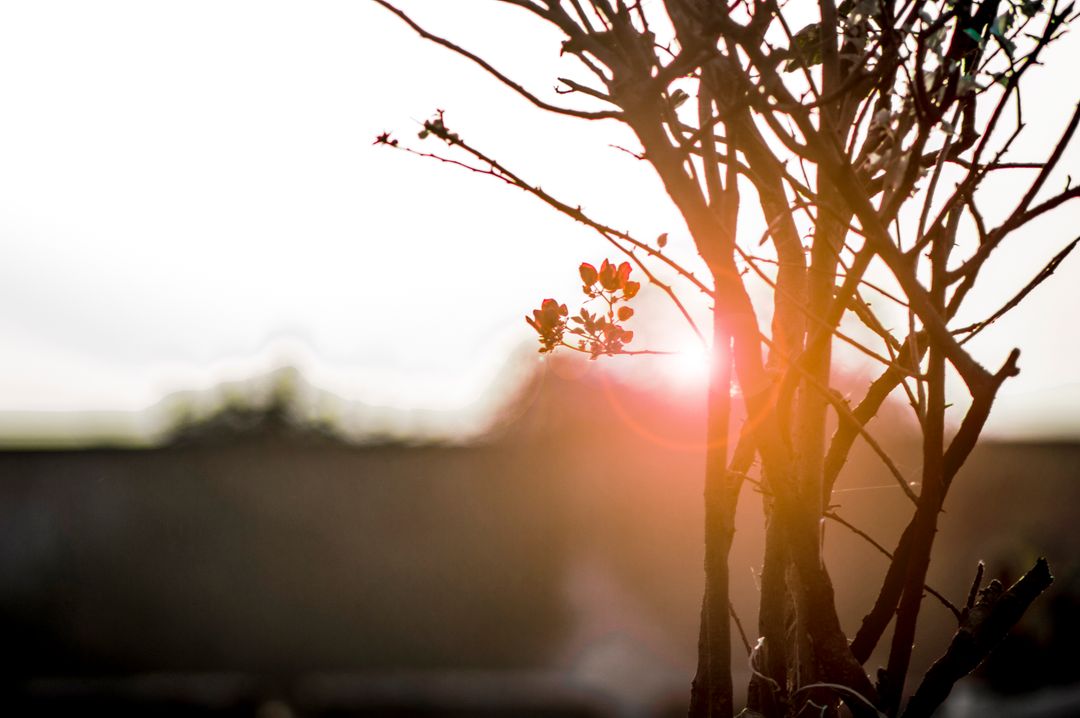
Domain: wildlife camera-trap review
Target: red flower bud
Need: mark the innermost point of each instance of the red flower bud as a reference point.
(608, 278)
(549, 323)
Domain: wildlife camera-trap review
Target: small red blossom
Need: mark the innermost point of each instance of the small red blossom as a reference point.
(609, 279)
(614, 279)
(549, 321)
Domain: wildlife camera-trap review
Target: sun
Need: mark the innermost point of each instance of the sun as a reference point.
(687, 367)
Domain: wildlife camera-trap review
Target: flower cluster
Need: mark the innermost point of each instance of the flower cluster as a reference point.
(598, 333)
(615, 280)
(549, 321)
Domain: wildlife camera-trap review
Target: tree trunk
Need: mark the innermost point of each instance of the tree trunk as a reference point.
(712, 692)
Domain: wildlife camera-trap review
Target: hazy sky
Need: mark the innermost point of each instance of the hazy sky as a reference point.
(189, 193)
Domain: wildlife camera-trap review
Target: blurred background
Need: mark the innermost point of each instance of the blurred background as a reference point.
(274, 440)
(256, 561)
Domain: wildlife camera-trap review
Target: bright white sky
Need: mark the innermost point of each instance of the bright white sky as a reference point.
(189, 193)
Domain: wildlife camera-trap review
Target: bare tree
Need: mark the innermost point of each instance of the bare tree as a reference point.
(865, 140)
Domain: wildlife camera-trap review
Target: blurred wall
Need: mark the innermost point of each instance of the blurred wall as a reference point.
(569, 539)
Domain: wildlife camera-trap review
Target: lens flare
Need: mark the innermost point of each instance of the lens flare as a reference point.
(688, 367)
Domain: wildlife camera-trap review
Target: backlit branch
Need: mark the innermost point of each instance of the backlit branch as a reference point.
(491, 70)
(833, 516)
(496, 170)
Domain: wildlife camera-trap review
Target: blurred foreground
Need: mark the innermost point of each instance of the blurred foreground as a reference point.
(257, 564)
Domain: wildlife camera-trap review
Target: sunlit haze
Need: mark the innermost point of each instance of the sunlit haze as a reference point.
(189, 194)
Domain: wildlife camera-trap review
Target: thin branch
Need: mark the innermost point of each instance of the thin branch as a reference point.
(973, 329)
(822, 322)
(845, 413)
(500, 172)
(976, 584)
(621, 352)
(739, 626)
(583, 114)
(832, 515)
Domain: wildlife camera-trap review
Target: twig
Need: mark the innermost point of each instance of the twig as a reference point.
(976, 584)
(973, 329)
(738, 625)
(888, 554)
(595, 115)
